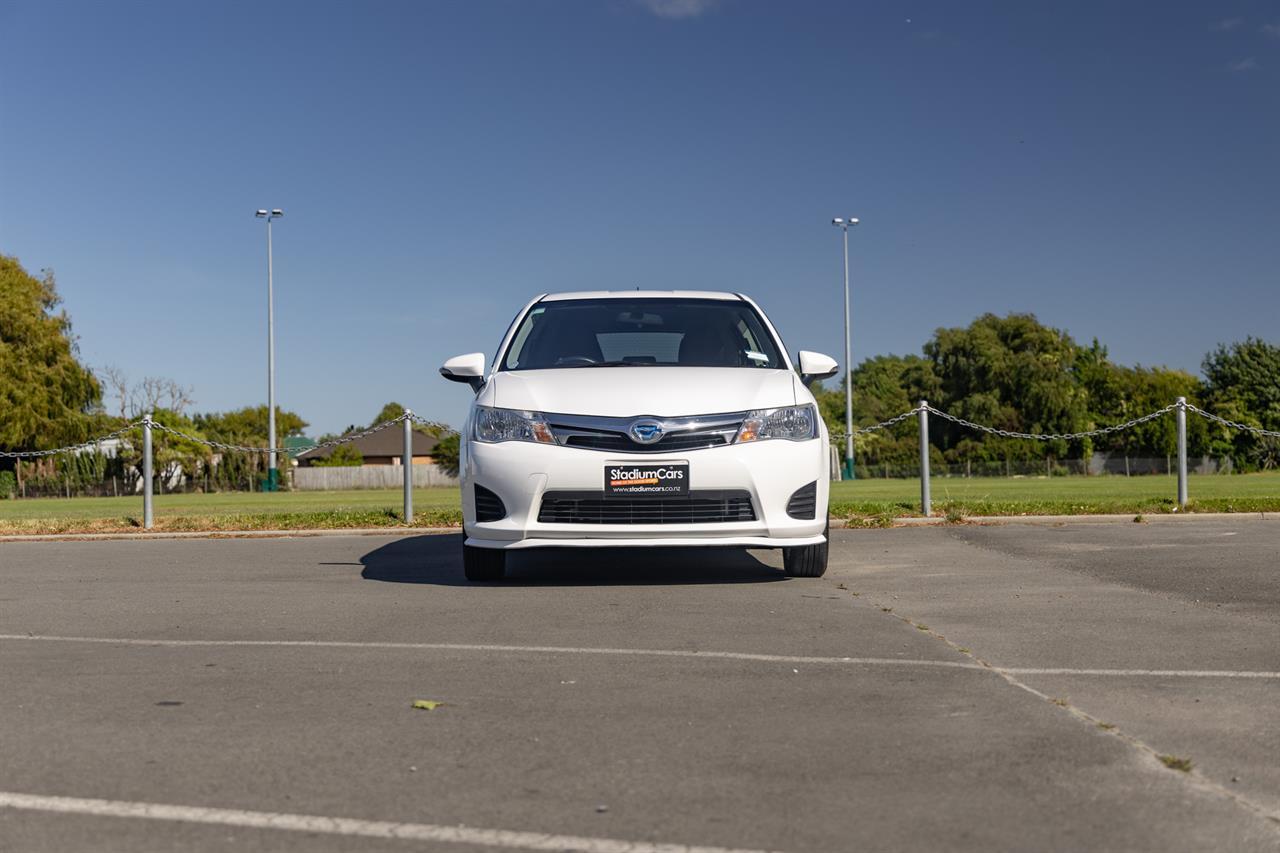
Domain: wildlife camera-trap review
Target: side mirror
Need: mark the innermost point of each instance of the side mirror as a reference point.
(815, 366)
(467, 368)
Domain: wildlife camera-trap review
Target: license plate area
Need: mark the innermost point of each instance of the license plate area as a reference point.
(646, 479)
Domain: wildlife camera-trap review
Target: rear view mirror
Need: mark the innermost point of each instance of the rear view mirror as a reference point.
(467, 368)
(815, 366)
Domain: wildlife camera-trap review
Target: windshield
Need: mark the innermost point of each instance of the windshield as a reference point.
(651, 332)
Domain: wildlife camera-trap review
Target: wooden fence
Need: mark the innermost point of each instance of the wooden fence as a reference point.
(368, 477)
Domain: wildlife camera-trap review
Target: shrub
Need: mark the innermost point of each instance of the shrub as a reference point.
(8, 485)
(343, 456)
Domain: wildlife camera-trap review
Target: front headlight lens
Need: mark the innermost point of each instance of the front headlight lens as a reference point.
(794, 423)
(494, 425)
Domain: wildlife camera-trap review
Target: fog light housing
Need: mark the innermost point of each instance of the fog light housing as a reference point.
(804, 502)
(489, 507)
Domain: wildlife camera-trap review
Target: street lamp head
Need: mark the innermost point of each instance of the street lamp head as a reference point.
(260, 214)
(837, 221)
(853, 220)
(279, 212)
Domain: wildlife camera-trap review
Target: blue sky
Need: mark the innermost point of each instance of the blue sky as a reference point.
(1110, 167)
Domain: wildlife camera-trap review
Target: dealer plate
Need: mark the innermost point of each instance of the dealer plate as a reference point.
(632, 480)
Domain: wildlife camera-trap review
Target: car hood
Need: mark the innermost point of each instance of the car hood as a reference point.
(632, 391)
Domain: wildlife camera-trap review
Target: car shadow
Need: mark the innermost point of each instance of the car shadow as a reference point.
(437, 559)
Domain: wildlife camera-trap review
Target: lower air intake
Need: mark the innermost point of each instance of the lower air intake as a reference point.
(489, 507)
(804, 503)
(698, 508)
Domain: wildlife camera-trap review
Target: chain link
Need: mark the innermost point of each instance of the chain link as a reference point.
(36, 454)
(442, 430)
(1270, 433)
(897, 419)
(1069, 436)
(323, 445)
(435, 426)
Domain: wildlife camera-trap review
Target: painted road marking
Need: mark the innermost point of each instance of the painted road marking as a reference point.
(477, 647)
(1158, 673)
(345, 826)
(671, 653)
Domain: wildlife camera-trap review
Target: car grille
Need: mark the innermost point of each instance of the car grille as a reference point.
(623, 444)
(697, 508)
(613, 435)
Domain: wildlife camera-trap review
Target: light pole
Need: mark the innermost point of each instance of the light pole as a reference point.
(273, 474)
(844, 224)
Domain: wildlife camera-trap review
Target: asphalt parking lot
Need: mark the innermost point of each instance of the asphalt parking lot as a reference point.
(945, 688)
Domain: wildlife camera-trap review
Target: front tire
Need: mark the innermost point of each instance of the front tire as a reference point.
(807, 561)
(483, 564)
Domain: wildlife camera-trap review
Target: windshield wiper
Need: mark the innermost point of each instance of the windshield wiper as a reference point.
(615, 364)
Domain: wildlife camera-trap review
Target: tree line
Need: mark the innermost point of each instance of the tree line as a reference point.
(1010, 372)
(49, 399)
(1017, 374)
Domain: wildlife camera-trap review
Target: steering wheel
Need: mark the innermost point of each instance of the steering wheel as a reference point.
(575, 359)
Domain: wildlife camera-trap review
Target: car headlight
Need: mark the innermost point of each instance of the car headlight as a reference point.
(494, 425)
(794, 423)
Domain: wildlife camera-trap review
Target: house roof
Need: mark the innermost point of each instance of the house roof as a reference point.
(387, 442)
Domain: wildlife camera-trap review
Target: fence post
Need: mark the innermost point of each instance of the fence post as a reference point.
(924, 458)
(146, 472)
(1182, 452)
(407, 465)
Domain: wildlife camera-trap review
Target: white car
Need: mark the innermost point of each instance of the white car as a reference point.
(642, 418)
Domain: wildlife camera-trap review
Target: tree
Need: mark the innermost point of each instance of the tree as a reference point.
(1013, 373)
(46, 394)
(132, 400)
(445, 454)
(343, 456)
(249, 426)
(883, 386)
(1118, 394)
(171, 455)
(246, 427)
(389, 412)
(1243, 385)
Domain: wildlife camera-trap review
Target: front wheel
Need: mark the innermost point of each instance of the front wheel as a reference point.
(807, 561)
(483, 564)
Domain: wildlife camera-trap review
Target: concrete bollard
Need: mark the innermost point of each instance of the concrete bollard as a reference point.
(146, 473)
(407, 465)
(1182, 452)
(925, 502)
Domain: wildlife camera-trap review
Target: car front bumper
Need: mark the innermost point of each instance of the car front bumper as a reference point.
(521, 473)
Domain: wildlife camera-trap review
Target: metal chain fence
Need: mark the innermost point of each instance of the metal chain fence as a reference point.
(74, 448)
(1269, 433)
(408, 419)
(323, 445)
(1068, 436)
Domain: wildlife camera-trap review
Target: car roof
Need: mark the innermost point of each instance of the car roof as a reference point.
(642, 294)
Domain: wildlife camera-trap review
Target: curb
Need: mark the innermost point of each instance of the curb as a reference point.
(1058, 520)
(836, 524)
(230, 534)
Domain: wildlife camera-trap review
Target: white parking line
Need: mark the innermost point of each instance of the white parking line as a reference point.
(345, 826)
(669, 653)
(1158, 673)
(478, 647)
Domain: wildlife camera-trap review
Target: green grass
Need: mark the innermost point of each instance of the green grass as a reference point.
(868, 503)
(878, 502)
(1174, 762)
(232, 511)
